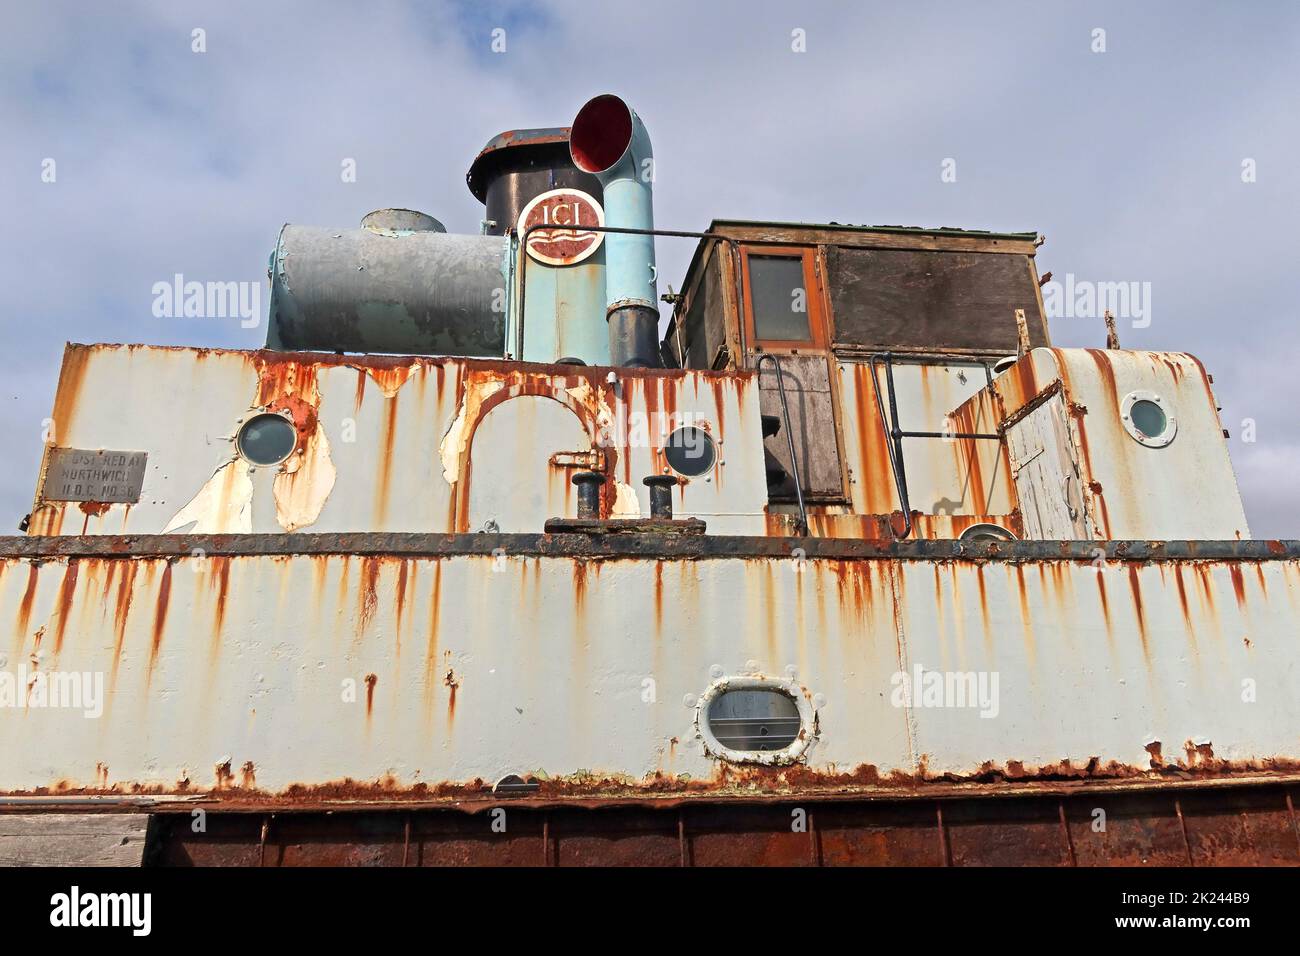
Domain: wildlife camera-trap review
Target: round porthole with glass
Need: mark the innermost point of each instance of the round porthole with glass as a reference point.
(1148, 418)
(690, 451)
(266, 439)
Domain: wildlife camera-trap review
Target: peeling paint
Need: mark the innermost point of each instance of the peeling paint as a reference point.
(224, 505)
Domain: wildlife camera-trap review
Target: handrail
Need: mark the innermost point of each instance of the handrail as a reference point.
(895, 443)
(789, 436)
(896, 435)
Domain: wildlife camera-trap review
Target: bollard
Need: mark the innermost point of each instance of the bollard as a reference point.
(588, 483)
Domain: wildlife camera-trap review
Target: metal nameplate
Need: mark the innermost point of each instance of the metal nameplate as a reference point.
(76, 474)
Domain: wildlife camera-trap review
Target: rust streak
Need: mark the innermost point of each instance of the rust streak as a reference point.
(386, 461)
(71, 378)
(369, 597)
(361, 389)
(220, 580)
(431, 647)
(1136, 587)
(1025, 618)
(1238, 585)
(1105, 602)
(984, 610)
(160, 613)
(64, 604)
(371, 680)
(1182, 602)
(453, 684)
(659, 597)
(25, 605)
(403, 572)
(579, 587)
(121, 610)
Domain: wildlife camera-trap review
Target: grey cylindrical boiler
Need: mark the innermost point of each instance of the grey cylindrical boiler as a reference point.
(410, 292)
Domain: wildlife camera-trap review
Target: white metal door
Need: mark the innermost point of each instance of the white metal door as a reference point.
(1046, 473)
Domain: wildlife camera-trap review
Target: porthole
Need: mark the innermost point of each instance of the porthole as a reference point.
(755, 720)
(1148, 419)
(987, 532)
(690, 451)
(267, 439)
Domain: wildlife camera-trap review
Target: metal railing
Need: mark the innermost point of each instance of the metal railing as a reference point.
(789, 435)
(896, 435)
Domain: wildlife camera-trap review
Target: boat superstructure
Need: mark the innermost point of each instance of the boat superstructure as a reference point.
(472, 564)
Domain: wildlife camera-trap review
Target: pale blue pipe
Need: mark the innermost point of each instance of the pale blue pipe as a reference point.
(609, 141)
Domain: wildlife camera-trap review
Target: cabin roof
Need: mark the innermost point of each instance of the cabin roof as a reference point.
(722, 225)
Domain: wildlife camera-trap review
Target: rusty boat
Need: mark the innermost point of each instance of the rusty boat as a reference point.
(482, 561)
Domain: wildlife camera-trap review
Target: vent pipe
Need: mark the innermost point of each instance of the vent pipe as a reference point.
(609, 141)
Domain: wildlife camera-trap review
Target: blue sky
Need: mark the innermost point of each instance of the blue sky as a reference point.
(1129, 160)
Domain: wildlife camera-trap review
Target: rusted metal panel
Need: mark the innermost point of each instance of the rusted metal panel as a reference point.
(261, 673)
(1002, 834)
(385, 443)
(1151, 828)
(1254, 828)
(667, 547)
(1126, 830)
(1089, 653)
(1185, 489)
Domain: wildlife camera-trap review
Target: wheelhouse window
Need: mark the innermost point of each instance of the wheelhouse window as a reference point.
(780, 298)
(782, 303)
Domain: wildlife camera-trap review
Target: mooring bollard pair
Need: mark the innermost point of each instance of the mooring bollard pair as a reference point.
(589, 482)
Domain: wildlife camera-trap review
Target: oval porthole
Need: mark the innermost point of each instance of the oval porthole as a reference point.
(690, 451)
(267, 439)
(1148, 419)
(755, 720)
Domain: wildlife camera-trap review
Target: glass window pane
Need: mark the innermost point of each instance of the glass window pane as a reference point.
(780, 301)
(1149, 418)
(755, 719)
(267, 439)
